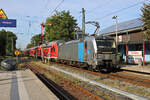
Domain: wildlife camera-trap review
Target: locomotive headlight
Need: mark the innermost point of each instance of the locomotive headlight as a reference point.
(4, 63)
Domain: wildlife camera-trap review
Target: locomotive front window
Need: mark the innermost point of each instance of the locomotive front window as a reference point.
(104, 43)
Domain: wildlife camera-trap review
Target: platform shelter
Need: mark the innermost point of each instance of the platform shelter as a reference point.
(132, 42)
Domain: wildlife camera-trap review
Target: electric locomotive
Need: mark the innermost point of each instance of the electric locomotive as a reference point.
(104, 54)
(96, 53)
(93, 52)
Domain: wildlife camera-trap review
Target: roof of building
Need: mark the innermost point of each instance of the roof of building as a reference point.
(135, 23)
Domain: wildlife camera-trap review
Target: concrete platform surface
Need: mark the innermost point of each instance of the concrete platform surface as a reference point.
(23, 85)
(144, 69)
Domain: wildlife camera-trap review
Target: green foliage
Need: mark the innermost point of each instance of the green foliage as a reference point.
(62, 27)
(30, 45)
(11, 38)
(36, 39)
(6, 39)
(146, 18)
(2, 42)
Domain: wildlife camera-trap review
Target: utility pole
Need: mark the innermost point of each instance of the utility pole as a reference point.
(6, 43)
(83, 20)
(12, 44)
(116, 20)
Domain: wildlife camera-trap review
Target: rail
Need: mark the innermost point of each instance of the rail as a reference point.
(55, 86)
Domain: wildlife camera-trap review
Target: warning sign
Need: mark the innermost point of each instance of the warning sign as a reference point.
(2, 14)
(17, 52)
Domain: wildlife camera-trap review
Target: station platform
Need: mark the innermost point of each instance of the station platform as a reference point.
(23, 85)
(142, 69)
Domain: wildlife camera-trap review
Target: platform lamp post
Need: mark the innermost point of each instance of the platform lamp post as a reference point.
(116, 20)
(12, 47)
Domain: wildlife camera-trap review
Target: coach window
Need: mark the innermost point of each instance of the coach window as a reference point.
(53, 49)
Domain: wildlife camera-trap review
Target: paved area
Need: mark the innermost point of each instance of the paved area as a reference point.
(144, 69)
(23, 85)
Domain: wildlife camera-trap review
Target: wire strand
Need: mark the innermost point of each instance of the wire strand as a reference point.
(57, 7)
(120, 10)
(99, 6)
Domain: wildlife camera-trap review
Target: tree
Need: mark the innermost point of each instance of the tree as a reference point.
(36, 39)
(2, 43)
(29, 46)
(62, 28)
(146, 19)
(11, 41)
(7, 42)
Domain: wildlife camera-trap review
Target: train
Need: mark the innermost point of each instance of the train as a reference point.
(96, 53)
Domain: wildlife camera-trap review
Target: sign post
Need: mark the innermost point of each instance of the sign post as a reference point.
(7, 23)
(17, 52)
(2, 14)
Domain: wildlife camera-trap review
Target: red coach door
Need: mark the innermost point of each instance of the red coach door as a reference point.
(54, 50)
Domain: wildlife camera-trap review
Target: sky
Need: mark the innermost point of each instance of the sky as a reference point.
(31, 13)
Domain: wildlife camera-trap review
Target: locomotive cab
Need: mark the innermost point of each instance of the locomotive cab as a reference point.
(106, 52)
(100, 52)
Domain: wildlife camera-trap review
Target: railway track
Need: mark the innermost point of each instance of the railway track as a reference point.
(58, 90)
(136, 72)
(92, 79)
(122, 77)
(125, 78)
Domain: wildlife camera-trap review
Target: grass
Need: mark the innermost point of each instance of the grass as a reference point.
(20, 66)
(139, 90)
(1, 68)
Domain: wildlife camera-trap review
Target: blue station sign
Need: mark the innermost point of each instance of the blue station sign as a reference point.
(7, 22)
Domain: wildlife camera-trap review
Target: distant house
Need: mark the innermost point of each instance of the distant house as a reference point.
(130, 38)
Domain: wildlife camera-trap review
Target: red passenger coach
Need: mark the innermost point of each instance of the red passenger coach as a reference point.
(32, 52)
(25, 53)
(39, 50)
(54, 50)
(46, 51)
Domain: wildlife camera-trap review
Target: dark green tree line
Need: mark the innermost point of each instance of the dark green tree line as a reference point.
(146, 19)
(7, 42)
(2, 43)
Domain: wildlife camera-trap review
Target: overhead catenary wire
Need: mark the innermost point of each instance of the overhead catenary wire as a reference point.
(57, 6)
(120, 10)
(99, 6)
